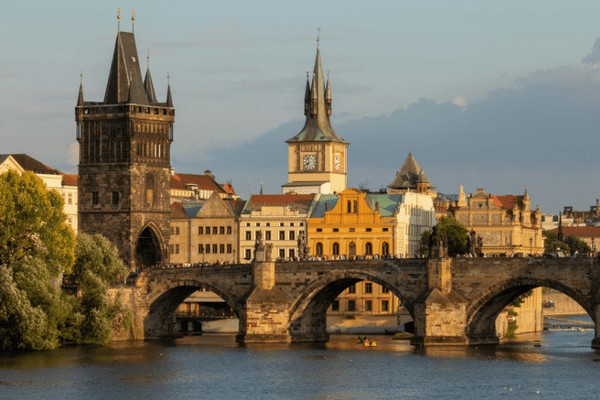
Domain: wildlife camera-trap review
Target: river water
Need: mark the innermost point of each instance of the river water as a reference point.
(215, 367)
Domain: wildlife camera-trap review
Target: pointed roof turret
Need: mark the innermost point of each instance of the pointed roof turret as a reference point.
(409, 175)
(317, 126)
(125, 78)
(169, 97)
(148, 84)
(80, 100)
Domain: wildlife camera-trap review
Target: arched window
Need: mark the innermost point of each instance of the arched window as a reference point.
(368, 248)
(319, 249)
(355, 209)
(335, 249)
(352, 249)
(385, 249)
(349, 206)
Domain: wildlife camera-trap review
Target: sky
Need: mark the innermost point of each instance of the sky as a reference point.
(499, 95)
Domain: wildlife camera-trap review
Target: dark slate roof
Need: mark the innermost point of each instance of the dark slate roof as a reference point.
(317, 128)
(125, 84)
(31, 164)
(300, 202)
(409, 175)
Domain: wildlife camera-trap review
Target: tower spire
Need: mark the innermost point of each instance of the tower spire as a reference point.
(148, 84)
(118, 20)
(80, 97)
(132, 20)
(169, 97)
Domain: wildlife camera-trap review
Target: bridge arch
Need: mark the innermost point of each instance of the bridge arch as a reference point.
(308, 311)
(482, 313)
(160, 320)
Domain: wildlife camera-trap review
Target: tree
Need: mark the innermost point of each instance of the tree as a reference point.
(36, 247)
(33, 223)
(455, 233)
(97, 265)
(553, 246)
(577, 246)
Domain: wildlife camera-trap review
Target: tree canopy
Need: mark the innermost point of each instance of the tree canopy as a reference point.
(454, 231)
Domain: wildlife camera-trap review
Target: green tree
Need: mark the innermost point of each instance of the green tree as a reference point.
(36, 247)
(454, 231)
(577, 246)
(97, 266)
(33, 223)
(553, 246)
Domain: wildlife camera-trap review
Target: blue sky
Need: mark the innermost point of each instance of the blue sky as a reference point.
(238, 74)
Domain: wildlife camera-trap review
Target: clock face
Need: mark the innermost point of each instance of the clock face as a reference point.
(310, 161)
(337, 163)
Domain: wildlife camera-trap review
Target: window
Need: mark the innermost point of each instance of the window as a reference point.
(385, 290)
(208, 230)
(335, 305)
(349, 207)
(200, 248)
(355, 207)
(214, 230)
(368, 248)
(207, 249)
(352, 289)
(292, 235)
(176, 249)
(386, 229)
(368, 287)
(319, 249)
(336, 229)
(248, 254)
(222, 230)
(172, 248)
(292, 254)
(319, 229)
(385, 305)
(281, 235)
(177, 230)
(352, 249)
(369, 229)
(352, 229)
(267, 235)
(291, 224)
(200, 230)
(70, 196)
(248, 235)
(369, 305)
(281, 253)
(95, 198)
(351, 305)
(335, 249)
(385, 249)
(215, 248)
(115, 198)
(222, 248)
(229, 249)
(229, 230)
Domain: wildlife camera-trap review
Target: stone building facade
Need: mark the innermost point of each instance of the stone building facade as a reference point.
(124, 160)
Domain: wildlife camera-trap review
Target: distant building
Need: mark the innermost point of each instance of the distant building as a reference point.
(505, 223)
(411, 178)
(64, 184)
(589, 234)
(279, 218)
(198, 186)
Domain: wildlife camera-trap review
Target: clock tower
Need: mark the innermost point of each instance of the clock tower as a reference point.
(316, 155)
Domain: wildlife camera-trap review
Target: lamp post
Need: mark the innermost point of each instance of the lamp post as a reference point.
(530, 246)
(593, 247)
(234, 260)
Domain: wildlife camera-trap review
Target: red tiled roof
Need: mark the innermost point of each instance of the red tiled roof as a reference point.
(70, 179)
(506, 201)
(578, 231)
(228, 187)
(204, 182)
(29, 163)
(260, 200)
(177, 211)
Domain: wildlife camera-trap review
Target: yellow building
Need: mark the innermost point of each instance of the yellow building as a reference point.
(506, 224)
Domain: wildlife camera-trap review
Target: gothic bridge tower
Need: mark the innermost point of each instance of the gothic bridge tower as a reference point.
(316, 155)
(124, 160)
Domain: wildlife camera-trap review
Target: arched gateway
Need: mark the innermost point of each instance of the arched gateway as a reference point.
(149, 248)
(452, 301)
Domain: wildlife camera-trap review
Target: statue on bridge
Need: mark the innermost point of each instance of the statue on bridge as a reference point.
(303, 249)
(438, 244)
(262, 250)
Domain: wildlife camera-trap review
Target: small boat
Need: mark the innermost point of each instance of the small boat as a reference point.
(537, 343)
(368, 343)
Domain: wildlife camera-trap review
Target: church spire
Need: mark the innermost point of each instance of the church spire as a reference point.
(317, 107)
(169, 97)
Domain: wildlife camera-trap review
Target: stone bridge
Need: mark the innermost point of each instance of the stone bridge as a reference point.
(451, 300)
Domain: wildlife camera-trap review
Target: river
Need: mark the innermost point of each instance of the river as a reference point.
(215, 367)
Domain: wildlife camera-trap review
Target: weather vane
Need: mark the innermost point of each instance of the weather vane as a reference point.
(318, 36)
(119, 19)
(132, 19)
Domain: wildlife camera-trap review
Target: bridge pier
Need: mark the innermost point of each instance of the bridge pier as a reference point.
(596, 340)
(441, 314)
(266, 311)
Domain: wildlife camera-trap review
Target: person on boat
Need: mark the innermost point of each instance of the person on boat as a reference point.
(367, 342)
